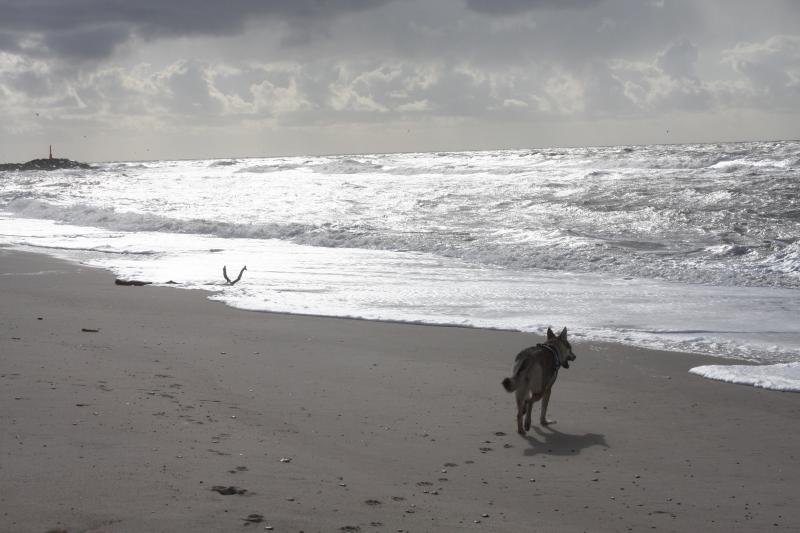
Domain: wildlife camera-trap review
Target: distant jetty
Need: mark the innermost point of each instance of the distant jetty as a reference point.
(49, 163)
(44, 164)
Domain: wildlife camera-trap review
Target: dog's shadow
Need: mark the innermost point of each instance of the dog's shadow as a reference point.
(553, 442)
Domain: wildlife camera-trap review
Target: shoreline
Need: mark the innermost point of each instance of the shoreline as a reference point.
(382, 426)
(209, 294)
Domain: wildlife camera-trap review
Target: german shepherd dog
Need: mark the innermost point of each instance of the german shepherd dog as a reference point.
(535, 372)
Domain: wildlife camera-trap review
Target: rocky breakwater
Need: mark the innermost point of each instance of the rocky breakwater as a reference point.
(44, 164)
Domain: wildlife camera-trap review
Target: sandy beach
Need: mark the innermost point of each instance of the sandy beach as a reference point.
(150, 409)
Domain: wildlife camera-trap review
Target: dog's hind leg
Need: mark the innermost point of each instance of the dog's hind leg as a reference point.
(521, 407)
(543, 418)
(533, 399)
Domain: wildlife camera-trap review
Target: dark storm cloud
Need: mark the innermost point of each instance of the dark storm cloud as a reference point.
(93, 28)
(86, 43)
(511, 7)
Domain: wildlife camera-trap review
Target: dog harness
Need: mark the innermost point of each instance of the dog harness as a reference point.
(556, 355)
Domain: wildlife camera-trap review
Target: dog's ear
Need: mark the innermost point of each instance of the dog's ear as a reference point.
(550, 334)
(563, 334)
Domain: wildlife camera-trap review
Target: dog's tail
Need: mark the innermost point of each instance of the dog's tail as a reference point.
(514, 382)
(510, 384)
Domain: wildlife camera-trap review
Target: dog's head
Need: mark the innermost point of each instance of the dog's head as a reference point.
(564, 347)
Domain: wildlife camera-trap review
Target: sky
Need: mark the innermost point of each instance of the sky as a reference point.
(105, 80)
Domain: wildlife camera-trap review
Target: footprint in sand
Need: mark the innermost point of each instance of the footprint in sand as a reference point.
(217, 452)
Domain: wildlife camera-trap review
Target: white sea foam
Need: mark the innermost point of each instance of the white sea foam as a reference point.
(781, 377)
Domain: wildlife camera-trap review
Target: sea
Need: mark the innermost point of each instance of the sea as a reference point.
(692, 247)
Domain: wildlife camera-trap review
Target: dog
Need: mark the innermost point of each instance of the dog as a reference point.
(535, 372)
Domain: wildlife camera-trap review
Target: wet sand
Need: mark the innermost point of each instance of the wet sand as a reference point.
(132, 409)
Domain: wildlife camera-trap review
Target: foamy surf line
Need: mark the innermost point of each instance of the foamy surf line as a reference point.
(781, 377)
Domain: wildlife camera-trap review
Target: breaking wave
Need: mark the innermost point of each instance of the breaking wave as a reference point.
(578, 249)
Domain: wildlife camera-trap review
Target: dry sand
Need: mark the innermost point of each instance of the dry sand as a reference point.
(325, 424)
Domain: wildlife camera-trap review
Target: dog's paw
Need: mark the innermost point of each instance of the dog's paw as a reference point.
(546, 422)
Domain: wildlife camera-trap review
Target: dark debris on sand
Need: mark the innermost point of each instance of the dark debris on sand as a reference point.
(229, 490)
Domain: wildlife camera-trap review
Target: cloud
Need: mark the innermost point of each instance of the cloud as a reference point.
(679, 59)
(667, 84)
(771, 69)
(92, 29)
(259, 91)
(186, 90)
(351, 91)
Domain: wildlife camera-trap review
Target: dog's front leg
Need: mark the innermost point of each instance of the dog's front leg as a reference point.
(543, 418)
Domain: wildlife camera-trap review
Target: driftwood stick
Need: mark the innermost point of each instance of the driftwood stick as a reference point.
(225, 274)
(131, 282)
